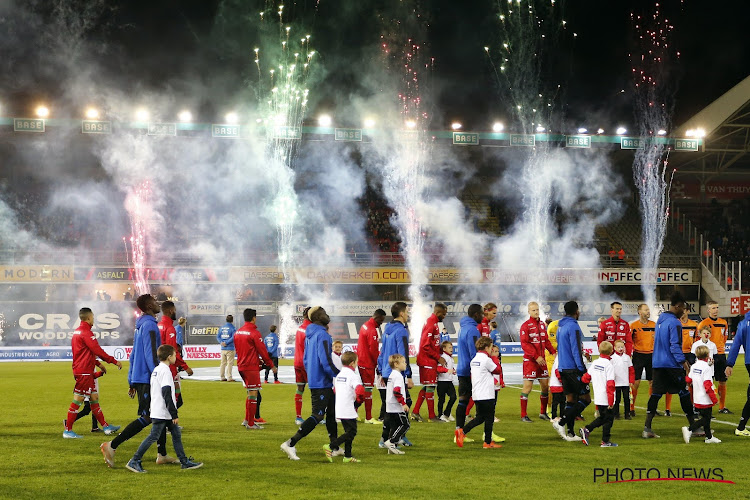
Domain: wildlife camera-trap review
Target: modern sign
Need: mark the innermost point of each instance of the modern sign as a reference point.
(686, 144)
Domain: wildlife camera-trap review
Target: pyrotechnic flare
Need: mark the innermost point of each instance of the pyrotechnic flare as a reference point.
(139, 210)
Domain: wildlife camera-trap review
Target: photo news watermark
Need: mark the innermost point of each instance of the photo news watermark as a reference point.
(635, 474)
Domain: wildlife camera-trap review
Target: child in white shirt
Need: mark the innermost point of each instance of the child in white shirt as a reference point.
(445, 383)
(336, 348)
(704, 394)
(483, 392)
(163, 411)
(396, 421)
(624, 376)
(601, 376)
(350, 393)
(556, 388)
(704, 334)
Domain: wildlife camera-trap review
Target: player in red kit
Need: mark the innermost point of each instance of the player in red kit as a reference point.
(615, 328)
(368, 351)
(169, 336)
(85, 351)
(428, 359)
(251, 350)
(300, 374)
(490, 313)
(534, 342)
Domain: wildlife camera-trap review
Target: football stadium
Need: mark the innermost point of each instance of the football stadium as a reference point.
(415, 249)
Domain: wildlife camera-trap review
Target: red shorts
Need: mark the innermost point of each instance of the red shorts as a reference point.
(533, 370)
(428, 375)
(251, 379)
(368, 376)
(84, 385)
(300, 374)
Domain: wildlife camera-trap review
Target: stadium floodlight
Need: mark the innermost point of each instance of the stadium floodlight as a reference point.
(540, 129)
(456, 126)
(185, 116)
(369, 123)
(231, 117)
(92, 113)
(600, 131)
(621, 130)
(325, 120)
(42, 111)
(699, 132)
(141, 115)
(662, 132)
(582, 130)
(497, 127)
(411, 124)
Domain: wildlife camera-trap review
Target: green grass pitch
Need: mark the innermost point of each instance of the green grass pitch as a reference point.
(533, 463)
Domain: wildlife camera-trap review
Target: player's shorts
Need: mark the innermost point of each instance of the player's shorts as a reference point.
(300, 375)
(669, 380)
(322, 400)
(143, 393)
(428, 375)
(533, 370)
(641, 362)
(368, 376)
(690, 357)
(84, 385)
(251, 379)
(464, 386)
(572, 384)
(720, 365)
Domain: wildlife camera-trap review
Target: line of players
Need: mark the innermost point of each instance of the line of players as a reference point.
(432, 359)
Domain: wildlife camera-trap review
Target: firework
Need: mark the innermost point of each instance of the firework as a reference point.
(653, 109)
(138, 212)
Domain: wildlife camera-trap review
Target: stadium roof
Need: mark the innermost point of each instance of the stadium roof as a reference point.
(726, 123)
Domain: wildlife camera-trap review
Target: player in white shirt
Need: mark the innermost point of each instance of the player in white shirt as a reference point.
(704, 340)
(396, 421)
(704, 394)
(624, 376)
(350, 393)
(445, 385)
(336, 349)
(163, 411)
(601, 376)
(483, 392)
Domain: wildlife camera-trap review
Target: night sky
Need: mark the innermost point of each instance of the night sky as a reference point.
(174, 47)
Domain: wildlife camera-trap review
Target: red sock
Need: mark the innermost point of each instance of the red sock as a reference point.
(524, 405)
(420, 398)
(298, 404)
(368, 405)
(252, 407)
(72, 414)
(544, 400)
(430, 397)
(247, 410)
(97, 411)
(668, 401)
(469, 406)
